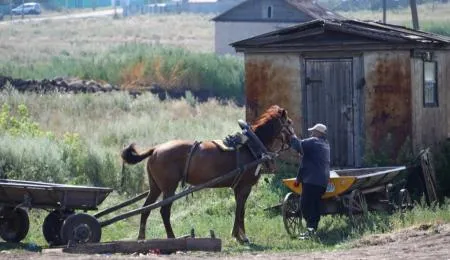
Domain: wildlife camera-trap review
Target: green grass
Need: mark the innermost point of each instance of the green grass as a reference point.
(103, 123)
(266, 230)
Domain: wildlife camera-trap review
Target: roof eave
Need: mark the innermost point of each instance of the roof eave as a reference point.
(341, 47)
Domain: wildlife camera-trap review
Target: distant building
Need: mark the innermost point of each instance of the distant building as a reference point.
(254, 17)
(209, 6)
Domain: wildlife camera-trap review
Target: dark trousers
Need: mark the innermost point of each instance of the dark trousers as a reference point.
(311, 204)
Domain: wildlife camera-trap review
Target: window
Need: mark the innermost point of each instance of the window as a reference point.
(269, 12)
(430, 97)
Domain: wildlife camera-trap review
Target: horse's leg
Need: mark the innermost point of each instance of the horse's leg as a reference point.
(241, 194)
(151, 198)
(165, 214)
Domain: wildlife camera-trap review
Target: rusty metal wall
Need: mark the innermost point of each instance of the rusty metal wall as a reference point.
(387, 101)
(430, 124)
(274, 79)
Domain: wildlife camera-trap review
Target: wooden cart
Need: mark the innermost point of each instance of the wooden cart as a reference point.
(352, 192)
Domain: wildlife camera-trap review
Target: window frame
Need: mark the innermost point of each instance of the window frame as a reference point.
(435, 102)
(268, 9)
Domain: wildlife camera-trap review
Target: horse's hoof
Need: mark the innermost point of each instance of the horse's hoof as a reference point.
(244, 240)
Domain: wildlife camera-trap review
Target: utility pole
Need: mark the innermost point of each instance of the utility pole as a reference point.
(384, 11)
(23, 8)
(415, 17)
(10, 9)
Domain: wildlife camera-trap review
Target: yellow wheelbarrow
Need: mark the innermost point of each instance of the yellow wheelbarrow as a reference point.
(352, 192)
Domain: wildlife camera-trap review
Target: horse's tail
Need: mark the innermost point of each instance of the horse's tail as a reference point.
(131, 156)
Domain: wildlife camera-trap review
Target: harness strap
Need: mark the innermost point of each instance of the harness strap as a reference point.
(239, 166)
(188, 163)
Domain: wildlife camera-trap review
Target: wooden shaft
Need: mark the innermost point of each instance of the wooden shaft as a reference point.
(121, 205)
(184, 193)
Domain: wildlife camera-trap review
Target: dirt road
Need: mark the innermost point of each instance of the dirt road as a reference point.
(424, 242)
(87, 14)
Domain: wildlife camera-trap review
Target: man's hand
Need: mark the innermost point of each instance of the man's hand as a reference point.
(296, 183)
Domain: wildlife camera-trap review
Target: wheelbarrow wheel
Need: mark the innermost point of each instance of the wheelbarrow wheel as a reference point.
(14, 224)
(292, 214)
(81, 228)
(52, 226)
(357, 206)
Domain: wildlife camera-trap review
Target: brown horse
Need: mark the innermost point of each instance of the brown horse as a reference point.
(167, 162)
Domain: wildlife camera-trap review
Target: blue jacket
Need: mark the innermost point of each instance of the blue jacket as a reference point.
(315, 167)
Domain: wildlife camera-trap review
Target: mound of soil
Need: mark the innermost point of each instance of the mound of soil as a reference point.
(58, 84)
(76, 85)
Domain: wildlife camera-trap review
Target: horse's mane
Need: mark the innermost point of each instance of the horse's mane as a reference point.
(264, 126)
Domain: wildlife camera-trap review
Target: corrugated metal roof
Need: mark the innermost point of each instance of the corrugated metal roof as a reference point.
(309, 7)
(313, 9)
(369, 30)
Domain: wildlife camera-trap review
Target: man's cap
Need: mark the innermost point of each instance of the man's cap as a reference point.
(319, 128)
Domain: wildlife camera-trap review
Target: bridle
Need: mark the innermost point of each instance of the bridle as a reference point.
(286, 130)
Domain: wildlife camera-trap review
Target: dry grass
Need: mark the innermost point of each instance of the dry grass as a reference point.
(428, 13)
(33, 42)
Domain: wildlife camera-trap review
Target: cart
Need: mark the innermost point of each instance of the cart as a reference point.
(63, 225)
(352, 192)
(61, 200)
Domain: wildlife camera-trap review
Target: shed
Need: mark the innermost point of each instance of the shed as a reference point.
(254, 17)
(380, 89)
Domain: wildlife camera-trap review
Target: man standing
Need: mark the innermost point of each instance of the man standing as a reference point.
(313, 173)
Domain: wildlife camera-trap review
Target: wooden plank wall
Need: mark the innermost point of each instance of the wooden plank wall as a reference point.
(358, 108)
(329, 100)
(430, 124)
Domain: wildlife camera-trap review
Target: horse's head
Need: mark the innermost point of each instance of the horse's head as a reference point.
(274, 129)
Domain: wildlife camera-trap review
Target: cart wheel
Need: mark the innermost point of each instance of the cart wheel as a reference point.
(404, 200)
(292, 214)
(14, 224)
(52, 226)
(81, 228)
(357, 206)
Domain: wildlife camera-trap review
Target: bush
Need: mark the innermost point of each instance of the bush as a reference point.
(386, 155)
(442, 167)
(29, 153)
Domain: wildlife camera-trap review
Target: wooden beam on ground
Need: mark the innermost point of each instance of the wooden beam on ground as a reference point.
(429, 176)
(144, 246)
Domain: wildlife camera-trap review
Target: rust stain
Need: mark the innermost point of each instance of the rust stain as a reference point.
(388, 102)
(267, 84)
